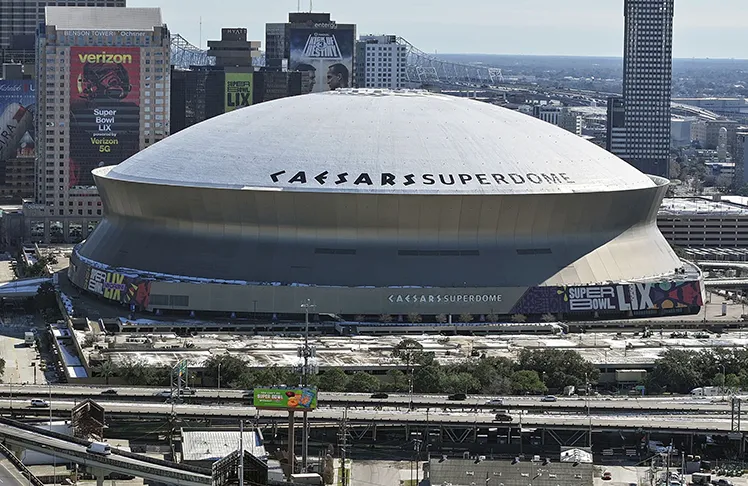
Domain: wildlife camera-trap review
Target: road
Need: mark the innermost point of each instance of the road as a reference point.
(696, 422)
(8, 476)
(674, 404)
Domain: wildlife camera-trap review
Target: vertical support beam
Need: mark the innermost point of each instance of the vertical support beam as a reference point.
(374, 432)
(291, 444)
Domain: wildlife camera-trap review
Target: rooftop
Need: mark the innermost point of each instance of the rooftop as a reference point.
(380, 142)
(701, 206)
(103, 18)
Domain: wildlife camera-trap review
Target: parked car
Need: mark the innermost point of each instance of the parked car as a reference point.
(502, 417)
(549, 398)
(188, 391)
(109, 392)
(380, 396)
(38, 403)
(457, 396)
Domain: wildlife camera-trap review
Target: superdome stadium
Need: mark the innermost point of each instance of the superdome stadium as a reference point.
(374, 203)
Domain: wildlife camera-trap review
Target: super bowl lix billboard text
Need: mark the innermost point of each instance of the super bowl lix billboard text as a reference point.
(104, 109)
(326, 54)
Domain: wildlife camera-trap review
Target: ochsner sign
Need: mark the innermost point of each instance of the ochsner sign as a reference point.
(630, 297)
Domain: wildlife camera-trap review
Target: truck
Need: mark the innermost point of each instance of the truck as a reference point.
(708, 391)
(29, 338)
(101, 448)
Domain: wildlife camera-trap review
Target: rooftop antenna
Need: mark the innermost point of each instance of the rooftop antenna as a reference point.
(200, 45)
(311, 6)
(298, 5)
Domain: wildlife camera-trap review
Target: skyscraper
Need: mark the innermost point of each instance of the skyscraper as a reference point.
(104, 79)
(380, 62)
(647, 77)
(20, 18)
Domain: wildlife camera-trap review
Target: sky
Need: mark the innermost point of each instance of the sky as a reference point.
(703, 28)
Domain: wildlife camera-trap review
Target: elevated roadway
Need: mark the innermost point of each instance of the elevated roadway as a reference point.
(696, 422)
(16, 434)
(21, 394)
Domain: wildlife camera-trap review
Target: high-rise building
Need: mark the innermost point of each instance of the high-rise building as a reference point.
(20, 18)
(380, 62)
(104, 94)
(647, 78)
(316, 45)
(615, 141)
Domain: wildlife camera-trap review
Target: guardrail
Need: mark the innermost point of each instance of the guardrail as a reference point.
(20, 466)
(158, 471)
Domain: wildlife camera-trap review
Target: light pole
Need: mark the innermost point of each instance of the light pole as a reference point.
(306, 353)
(219, 379)
(724, 381)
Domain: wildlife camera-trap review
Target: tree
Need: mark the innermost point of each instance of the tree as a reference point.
(676, 371)
(519, 318)
(136, 372)
(414, 318)
(527, 381)
(334, 380)
(428, 379)
(106, 369)
(411, 353)
(2, 366)
(397, 381)
(363, 382)
(466, 317)
(558, 368)
(274, 376)
(46, 298)
(232, 369)
(461, 383)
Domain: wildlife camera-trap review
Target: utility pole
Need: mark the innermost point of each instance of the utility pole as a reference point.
(241, 452)
(344, 448)
(306, 352)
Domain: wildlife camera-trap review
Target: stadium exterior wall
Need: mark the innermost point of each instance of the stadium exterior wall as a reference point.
(264, 251)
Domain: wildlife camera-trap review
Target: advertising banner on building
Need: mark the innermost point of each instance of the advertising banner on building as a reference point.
(286, 398)
(325, 54)
(104, 109)
(17, 135)
(238, 91)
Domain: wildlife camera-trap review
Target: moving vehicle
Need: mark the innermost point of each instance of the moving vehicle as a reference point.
(457, 396)
(495, 401)
(502, 417)
(607, 476)
(109, 392)
(379, 395)
(39, 403)
(101, 448)
(164, 394)
(701, 479)
(549, 398)
(708, 391)
(29, 338)
(188, 391)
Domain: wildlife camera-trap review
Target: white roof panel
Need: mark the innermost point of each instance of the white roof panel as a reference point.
(103, 18)
(375, 141)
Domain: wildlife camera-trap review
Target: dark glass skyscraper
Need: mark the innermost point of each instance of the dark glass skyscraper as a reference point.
(647, 78)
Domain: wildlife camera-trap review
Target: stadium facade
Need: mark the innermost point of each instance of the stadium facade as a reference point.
(375, 203)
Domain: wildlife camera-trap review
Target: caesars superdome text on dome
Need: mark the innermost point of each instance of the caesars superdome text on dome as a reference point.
(390, 179)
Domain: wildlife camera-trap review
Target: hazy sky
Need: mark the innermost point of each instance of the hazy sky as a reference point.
(703, 28)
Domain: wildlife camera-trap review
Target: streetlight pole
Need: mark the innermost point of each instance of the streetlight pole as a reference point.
(306, 353)
(219, 379)
(724, 381)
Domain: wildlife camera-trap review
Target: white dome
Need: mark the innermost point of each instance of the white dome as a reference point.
(380, 142)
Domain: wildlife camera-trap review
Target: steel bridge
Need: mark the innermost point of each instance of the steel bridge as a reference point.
(421, 68)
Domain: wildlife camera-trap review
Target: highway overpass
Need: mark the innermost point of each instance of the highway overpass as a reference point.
(633, 418)
(21, 394)
(19, 435)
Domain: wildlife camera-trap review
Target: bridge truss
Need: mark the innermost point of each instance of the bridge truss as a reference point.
(423, 68)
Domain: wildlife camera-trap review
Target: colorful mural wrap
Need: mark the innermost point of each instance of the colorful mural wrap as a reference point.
(110, 285)
(614, 298)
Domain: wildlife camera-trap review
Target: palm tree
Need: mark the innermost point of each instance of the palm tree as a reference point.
(107, 369)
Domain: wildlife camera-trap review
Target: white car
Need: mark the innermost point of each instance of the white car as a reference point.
(495, 401)
(38, 403)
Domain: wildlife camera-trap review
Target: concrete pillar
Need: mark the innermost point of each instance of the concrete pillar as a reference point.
(542, 437)
(99, 474)
(47, 232)
(374, 432)
(407, 432)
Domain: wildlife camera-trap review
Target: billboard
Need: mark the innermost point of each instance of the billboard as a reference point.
(238, 91)
(286, 398)
(325, 54)
(17, 134)
(104, 109)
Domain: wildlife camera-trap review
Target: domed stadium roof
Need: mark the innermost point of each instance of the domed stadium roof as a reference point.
(372, 141)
